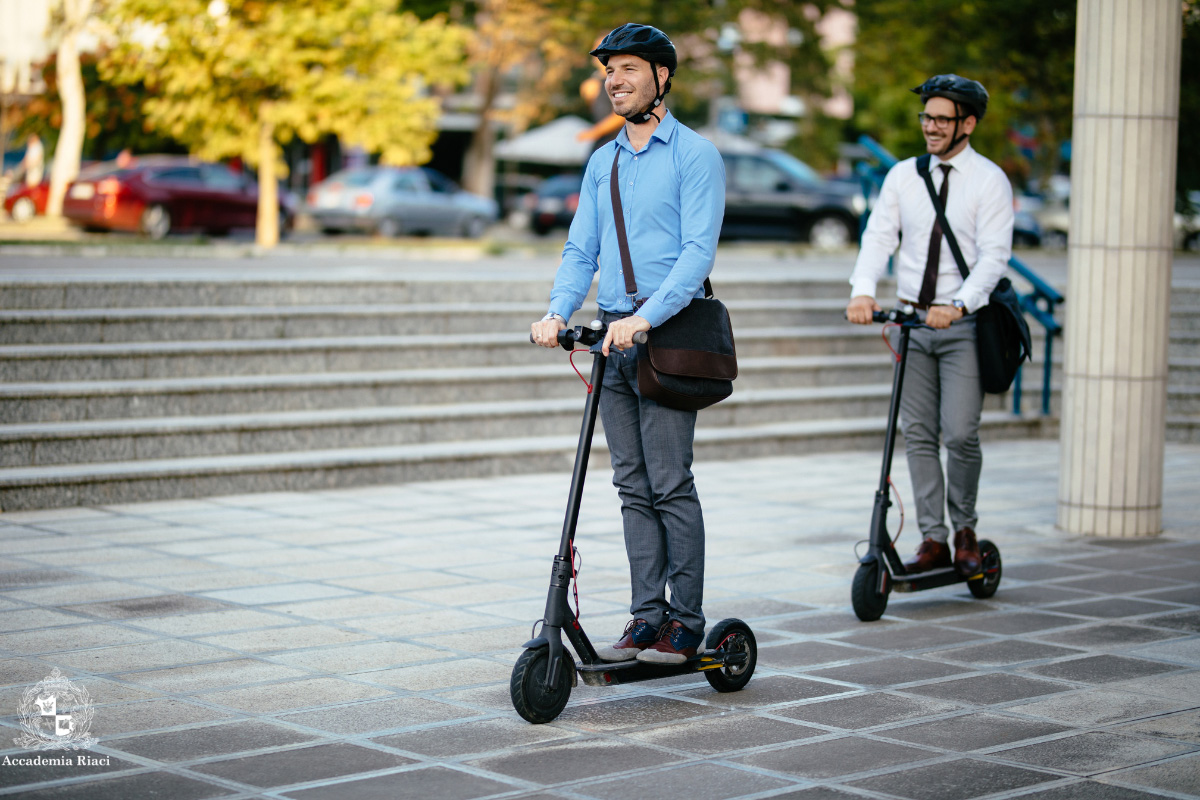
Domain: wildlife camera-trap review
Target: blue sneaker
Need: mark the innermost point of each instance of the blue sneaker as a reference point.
(675, 645)
(638, 635)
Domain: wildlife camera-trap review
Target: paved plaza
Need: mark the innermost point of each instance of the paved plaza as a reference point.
(358, 644)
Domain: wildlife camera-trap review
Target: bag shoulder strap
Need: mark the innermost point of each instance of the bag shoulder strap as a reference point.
(614, 188)
(947, 231)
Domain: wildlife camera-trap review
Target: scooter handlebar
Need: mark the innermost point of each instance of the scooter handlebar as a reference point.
(904, 315)
(592, 334)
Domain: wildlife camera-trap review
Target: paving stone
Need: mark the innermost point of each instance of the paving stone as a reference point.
(1110, 583)
(1092, 753)
(954, 780)
(768, 690)
(1014, 623)
(443, 675)
(1188, 621)
(723, 733)
(888, 671)
(274, 640)
(1096, 707)
(148, 655)
(933, 609)
(148, 715)
(973, 732)
(199, 677)
(752, 609)
(816, 793)
(575, 761)
(291, 695)
(70, 637)
(419, 784)
(1177, 775)
(351, 658)
(910, 637)
(147, 784)
(13, 578)
(27, 619)
(632, 712)
(1102, 669)
(830, 759)
(212, 622)
(1109, 634)
(817, 624)
(475, 737)
(302, 765)
(155, 606)
(699, 781)
(989, 689)
(379, 715)
(867, 710)
(1045, 572)
(1113, 607)
(1002, 653)
(1184, 726)
(806, 654)
(76, 764)
(277, 593)
(1189, 594)
(1091, 790)
(212, 740)
(1036, 595)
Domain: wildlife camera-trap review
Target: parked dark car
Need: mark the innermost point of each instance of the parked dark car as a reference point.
(157, 195)
(553, 203)
(392, 201)
(770, 194)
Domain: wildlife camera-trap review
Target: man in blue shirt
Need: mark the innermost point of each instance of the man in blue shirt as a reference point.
(672, 189)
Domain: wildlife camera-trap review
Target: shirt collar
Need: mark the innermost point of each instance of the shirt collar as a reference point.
(960, 160)
(664, 132)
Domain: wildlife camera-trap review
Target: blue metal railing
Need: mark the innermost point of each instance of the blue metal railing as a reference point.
(1039, 303)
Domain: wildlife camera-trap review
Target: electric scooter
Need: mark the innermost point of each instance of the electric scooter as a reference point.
(545, 673)
(881, 571)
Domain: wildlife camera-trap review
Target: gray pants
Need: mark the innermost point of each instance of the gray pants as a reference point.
(942, 397)
(651, 450)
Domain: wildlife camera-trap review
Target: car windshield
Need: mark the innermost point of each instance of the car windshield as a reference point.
(794, 167)
(353, 177)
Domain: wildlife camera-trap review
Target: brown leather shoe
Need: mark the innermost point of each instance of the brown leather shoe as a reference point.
(966, 553)
(930, 555)
(638, 635)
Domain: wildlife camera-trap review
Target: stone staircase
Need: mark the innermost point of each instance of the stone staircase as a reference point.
(121, 390)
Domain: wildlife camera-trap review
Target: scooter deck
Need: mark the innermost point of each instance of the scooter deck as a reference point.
(932, 579)
(632, 671)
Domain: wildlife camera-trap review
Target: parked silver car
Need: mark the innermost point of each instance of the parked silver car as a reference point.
(393, 201)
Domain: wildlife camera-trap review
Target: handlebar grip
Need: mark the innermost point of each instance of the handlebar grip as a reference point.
(880, 316)
(641, 337)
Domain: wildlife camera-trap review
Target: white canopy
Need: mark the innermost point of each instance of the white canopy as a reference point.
(552, 143)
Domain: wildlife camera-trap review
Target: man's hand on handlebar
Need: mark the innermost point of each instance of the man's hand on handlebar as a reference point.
(621, 331)
(942, 316)
(861, 309)
(545, 332)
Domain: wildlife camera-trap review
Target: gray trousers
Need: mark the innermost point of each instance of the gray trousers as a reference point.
(651, 450)
(942, 398)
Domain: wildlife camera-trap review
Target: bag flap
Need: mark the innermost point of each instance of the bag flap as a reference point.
(693, 363)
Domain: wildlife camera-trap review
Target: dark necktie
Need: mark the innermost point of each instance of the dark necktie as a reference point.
(929, 282)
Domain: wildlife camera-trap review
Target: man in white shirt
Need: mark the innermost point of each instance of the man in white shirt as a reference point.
(942, 396)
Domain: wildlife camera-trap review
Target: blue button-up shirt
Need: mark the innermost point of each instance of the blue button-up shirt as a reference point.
(673, 200)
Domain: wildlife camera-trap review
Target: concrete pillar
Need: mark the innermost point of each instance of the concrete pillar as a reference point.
(1119, 275)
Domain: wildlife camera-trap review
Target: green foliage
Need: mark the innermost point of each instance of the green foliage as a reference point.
(1023, 51)
(221, 72)
(1188, 176)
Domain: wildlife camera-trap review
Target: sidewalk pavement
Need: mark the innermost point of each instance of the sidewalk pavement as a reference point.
(348, 645)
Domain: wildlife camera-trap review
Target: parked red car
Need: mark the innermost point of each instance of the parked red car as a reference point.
(23, 203)
(157, 195)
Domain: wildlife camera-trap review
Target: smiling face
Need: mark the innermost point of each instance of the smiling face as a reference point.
(630, 83)
(938, 137)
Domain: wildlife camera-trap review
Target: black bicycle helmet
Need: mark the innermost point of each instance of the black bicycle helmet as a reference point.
(965, 91)
(649, 43)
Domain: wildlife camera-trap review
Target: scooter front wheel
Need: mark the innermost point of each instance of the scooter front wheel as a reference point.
(531, 697)
(732, 637)
(869, 603)
(989, 557)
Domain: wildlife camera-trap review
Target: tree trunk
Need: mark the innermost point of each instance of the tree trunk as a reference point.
(70, 89)
(266, 232)
(479, 171)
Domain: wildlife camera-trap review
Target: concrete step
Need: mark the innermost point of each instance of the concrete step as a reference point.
(1183, 428)
(230, 323)
(159, 479)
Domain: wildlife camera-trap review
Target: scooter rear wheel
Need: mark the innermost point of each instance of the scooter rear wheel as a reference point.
(732, 636)
(527, 687)
(989, 557)
(869, 604)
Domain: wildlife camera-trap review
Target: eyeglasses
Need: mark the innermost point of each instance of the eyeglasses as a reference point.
(937, 122)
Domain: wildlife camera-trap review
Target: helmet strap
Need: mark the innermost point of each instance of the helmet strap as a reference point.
(955, 140)
(647, 114)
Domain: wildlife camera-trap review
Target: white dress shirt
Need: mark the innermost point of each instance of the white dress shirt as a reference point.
(979, 208)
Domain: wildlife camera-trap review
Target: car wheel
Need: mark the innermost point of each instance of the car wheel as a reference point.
(156, 222)
(1054, 240)
(23, 210)
(830, 233)
(474, 227)
(389, 228)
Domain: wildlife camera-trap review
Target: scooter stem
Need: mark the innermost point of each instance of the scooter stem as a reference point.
(575, 497)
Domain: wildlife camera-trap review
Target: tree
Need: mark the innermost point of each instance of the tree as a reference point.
(239, 77)
(1188, 175)
(75, 15)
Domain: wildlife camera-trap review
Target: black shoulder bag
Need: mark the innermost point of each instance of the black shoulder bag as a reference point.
(689, 361)
(1002, 338)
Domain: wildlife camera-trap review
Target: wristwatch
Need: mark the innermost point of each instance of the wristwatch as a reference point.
(552, 315)
(960, 305)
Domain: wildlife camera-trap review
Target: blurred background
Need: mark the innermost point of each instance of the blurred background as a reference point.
(475, 118)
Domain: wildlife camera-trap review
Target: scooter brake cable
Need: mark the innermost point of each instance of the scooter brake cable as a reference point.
(577, 372)
(900, 502)
(887, 341)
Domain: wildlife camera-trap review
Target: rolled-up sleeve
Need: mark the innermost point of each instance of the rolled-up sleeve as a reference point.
(701, 211)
